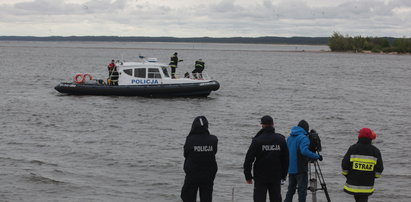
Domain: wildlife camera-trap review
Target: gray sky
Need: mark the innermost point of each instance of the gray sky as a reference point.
(198, 18)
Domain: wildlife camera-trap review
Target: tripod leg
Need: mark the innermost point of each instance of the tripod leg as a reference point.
(322, 181)
(313, 182)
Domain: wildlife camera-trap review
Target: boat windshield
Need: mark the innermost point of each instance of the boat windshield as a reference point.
(165, 72)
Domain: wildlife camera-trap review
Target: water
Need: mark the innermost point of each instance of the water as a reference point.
(89, 148)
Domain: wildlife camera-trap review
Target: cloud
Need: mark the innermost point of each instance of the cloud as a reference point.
(213, 17)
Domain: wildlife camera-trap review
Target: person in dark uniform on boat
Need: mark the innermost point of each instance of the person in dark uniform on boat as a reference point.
(174, 64)
(269, 154)
(200, 165)
(361, 165)
(198, 69)
(112, 73)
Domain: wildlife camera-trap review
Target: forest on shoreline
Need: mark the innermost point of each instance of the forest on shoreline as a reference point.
(246, 40)
(338, 42)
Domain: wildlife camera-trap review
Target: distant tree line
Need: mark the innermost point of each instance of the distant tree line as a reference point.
(255, 40)
(338, 42)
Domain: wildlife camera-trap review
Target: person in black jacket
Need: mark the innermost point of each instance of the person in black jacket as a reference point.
(199, 67)
(200, 164)
(269, 154)
(361, 165)
(174, 64)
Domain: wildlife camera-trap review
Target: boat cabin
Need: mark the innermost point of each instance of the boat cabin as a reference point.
(142, 73)
(148, 73)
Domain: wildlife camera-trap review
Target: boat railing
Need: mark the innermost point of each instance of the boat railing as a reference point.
(198, 76)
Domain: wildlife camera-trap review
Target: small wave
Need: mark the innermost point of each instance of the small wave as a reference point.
(38, 162)
(41, 179)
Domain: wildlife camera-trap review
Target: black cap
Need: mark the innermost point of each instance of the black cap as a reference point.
(175, 53)
(267, 120)
(304, 124)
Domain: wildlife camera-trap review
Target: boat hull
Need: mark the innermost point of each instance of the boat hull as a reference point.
(160, 90)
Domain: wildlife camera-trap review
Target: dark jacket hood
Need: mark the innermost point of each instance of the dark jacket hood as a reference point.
(200, 126)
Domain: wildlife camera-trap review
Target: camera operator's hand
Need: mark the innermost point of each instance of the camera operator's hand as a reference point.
(321, 157)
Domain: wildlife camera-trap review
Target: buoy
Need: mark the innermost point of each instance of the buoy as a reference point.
(87, 75)
(80, 78)
(76, 78)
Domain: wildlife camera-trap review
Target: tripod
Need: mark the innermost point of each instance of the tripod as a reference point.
(314, 175)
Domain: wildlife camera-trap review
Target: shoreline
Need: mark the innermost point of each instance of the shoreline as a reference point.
(267, 44)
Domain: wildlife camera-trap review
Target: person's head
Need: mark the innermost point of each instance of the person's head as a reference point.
(367, 133)
(200, 59)
(175, 53)
(267, 121)
(112, 61)
(304, 125)
(199, 126)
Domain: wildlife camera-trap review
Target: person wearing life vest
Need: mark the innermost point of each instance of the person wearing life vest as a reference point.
(113, 73)
(199, 67)
(361, 165)
(174, 64)
(110, 68)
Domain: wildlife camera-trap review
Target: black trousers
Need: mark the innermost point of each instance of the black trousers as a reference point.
(190, 188)
(198, 70)
(173, 72)
(274, 191)
(361, 198)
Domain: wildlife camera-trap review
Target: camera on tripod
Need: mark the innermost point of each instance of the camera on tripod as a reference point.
(315, 141)
(314, 167)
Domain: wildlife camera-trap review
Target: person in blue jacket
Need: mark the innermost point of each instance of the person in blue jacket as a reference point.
(299, 154)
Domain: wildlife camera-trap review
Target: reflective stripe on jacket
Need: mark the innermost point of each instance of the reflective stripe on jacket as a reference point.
(361, 165)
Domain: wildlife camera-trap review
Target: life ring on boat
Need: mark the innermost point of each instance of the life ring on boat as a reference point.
(77, 76)
(80, 78)
(89, 76)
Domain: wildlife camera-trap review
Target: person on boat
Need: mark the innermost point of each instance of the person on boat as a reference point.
(112, 73)
(174, 64)
(269, 154)
(298, 146)
(198, 69)
(110, 68)
(361, 165)
(200, 165)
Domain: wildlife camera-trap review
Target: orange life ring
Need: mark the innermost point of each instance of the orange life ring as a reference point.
(76, 78)
(89, 76)
(82, 78)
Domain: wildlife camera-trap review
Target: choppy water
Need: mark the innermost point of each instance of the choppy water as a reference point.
(88, 148)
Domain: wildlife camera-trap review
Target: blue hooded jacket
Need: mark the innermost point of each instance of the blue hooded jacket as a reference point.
(298, 144)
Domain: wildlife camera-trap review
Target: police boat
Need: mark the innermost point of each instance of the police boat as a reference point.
(147, 78)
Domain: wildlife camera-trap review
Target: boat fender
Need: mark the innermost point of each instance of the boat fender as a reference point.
(76, 78)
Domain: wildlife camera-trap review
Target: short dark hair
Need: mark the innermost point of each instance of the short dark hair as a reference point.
(267, 120)
(304, 124)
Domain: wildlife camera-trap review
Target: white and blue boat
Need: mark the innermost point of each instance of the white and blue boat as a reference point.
(147, 78)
